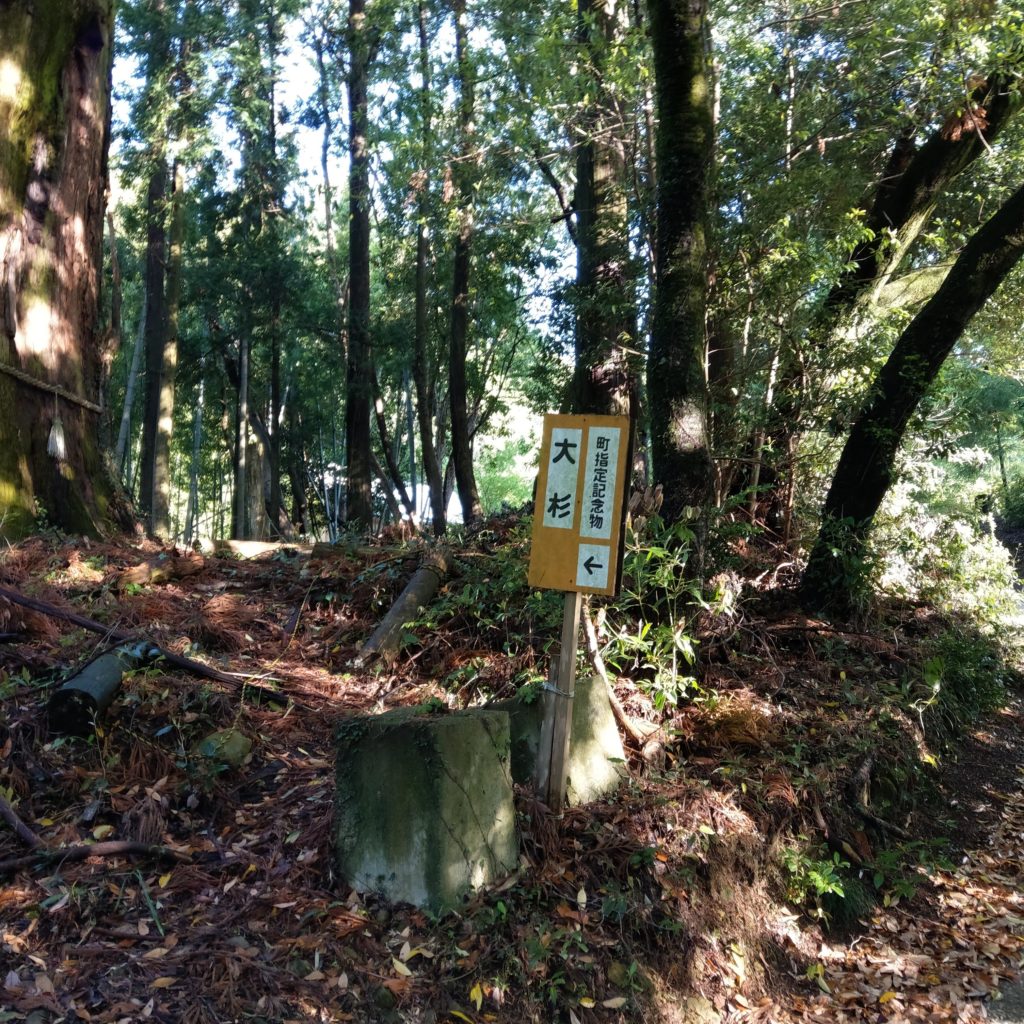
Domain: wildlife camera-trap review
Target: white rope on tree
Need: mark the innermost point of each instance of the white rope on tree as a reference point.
(53, 389)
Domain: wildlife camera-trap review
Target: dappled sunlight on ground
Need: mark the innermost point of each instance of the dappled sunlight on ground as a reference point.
(943, 956)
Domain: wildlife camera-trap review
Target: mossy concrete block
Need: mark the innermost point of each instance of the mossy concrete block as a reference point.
(596, 756)
(424, 810)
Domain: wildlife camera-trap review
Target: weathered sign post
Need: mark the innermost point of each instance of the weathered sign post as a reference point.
(577, 548)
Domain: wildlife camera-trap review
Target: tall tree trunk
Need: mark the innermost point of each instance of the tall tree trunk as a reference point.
(156, 331)
(410, 429)
(272, 218)
(675, 376)
(357, 407)
(111, 343)
(421, 367)
(603, 380)
(394, 470)
(240, 516)
(192, 511)
(462, 445)
(169, 361)
(867, 465)
(122, 458)
(323, 98)
(915, 177)
(54, 129)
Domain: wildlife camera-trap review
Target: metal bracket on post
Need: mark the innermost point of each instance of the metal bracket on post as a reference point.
(558, 700)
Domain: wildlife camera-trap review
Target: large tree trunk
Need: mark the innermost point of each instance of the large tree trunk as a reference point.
(462, 443)
(603, 381)
(675, 375)
(357, 408)
(867, 465)
(54, 129)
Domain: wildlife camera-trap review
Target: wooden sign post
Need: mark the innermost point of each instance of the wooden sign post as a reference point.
(577, 548)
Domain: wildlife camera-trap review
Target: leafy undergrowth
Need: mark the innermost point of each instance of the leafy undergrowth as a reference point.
(794, 798)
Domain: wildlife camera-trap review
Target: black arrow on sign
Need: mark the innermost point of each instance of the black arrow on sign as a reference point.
(590, 565)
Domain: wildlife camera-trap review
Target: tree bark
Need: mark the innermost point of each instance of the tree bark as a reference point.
(867, 465)
(54, 130)
(604, 381)
(675, 376)
(462, 444)
(357, 408)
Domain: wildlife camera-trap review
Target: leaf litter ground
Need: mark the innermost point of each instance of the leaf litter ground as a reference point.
(668, 903)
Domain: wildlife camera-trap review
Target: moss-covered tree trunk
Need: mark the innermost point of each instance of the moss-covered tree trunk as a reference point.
(676, 381)
(867, 465)
(54, 118)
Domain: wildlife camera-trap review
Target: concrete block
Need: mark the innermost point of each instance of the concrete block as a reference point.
(424, 810)
(596, 755)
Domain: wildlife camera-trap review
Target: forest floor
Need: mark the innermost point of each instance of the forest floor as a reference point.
(818, 842)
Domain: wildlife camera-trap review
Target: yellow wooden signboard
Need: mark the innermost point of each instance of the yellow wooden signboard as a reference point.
(577, 521)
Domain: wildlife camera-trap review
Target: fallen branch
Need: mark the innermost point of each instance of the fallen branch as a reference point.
(114, 848)
(21, 830)
(121, 636)
(387, 637)
(638, 733)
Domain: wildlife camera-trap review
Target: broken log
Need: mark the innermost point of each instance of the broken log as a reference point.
(387, 637)
(258, 548)
(74, 708)
(162, 568)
